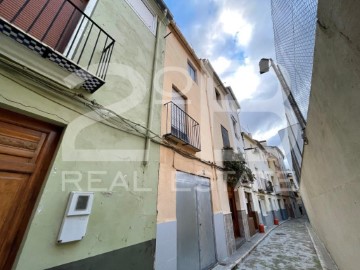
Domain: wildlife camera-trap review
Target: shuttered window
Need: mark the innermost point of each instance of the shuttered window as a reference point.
(142, 9)
(225, 137)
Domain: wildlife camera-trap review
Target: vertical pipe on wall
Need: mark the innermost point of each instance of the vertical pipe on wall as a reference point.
(151, 98)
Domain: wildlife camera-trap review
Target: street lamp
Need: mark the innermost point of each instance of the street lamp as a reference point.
(265, 65)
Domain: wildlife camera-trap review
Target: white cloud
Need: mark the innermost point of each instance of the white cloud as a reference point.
(267, 134)
(221, 64)
(244, 80)
(233, 23)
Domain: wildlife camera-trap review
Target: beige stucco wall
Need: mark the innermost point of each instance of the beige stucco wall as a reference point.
(176, 75)
(219, 116)
(330, 182)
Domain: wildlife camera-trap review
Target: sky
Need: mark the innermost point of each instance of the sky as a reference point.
(234, 35)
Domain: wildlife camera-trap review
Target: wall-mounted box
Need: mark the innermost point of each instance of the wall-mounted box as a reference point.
(76, 218)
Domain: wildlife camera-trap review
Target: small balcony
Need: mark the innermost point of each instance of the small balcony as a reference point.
(269, 187)
(261, 185)
(57, 40)
(182, 128)
(277, 189)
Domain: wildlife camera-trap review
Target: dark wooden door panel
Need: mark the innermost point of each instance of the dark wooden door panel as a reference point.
(26, 150)
(11, 187)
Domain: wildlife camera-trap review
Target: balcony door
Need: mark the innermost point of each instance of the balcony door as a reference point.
(26, 150)
(178, 116)
(50, 21)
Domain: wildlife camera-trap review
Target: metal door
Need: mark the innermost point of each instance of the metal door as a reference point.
(195, 230)
(187, 224)
(206, 227)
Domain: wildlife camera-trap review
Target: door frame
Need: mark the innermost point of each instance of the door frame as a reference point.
(50, 148)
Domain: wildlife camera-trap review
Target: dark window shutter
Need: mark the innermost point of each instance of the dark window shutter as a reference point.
(225, 137)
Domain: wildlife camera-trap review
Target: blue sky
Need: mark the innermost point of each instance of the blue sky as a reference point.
(234, 35)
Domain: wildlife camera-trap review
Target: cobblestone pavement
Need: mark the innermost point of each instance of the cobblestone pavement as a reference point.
(287, 247)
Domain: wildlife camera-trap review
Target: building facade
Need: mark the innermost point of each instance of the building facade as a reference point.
(201, 218)
(76, 162)
(270, 196)
(187, 195)
(225, 131)
(330, 184)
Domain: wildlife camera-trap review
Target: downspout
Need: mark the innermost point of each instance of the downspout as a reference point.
(151, 98)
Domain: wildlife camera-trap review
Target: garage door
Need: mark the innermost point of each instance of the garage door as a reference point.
(195, 230)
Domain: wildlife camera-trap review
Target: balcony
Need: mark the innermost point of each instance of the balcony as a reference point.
(269, 187)
(56, 40)
(261, 185)
(182, 128)
(277, 189)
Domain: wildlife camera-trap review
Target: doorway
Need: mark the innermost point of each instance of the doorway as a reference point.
(280, 209)
(252, 217)
(195, 229)
(272, 208)
(234, 213)
(27, 147)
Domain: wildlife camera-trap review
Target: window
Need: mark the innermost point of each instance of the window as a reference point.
(178, 118)
(192, 71)
(225, 137)
(232, 105)
(218, 96)
(142, 9)
(234, 122)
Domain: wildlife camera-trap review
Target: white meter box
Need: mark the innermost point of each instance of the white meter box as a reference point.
(76, 218)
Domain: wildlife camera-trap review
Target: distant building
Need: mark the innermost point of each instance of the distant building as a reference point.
(269, 197)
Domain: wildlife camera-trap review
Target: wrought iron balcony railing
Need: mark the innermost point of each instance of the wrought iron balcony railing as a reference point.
(182, 127)
(60, 31)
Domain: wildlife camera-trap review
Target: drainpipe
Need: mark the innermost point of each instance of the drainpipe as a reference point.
(151, 98)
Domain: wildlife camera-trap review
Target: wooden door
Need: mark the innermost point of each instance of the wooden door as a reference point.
(234, 213)
(26, 150)
(50, 21)
(252, 214)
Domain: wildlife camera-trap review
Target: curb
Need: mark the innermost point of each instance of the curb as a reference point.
(326, 261)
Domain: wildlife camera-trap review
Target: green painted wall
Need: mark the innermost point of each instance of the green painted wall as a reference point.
(119, 218)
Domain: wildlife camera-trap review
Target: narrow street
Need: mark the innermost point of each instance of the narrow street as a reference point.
(287, 247)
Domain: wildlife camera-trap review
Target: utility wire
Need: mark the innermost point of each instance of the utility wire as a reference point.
(116, 121)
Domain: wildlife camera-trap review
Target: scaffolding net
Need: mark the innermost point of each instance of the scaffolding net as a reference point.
(294, 23)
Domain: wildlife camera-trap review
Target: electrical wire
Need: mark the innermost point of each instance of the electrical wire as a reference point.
(111, 119)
